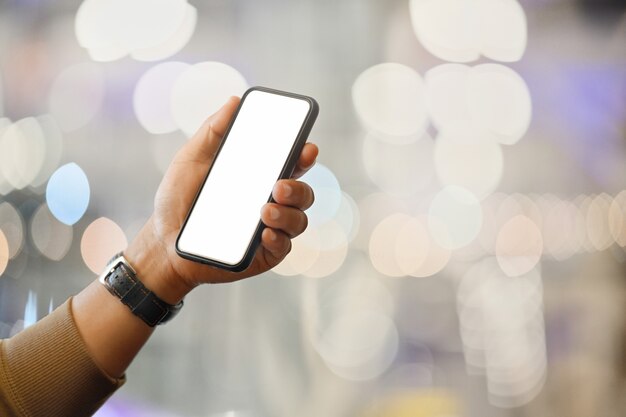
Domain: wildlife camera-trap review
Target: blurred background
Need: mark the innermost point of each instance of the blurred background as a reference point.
(466, 254)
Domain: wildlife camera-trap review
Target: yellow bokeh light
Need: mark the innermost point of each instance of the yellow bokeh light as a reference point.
(617, 218)
(51, 237)
(382, 247)
(373, 208)
(12, 225)
(22, 152)
(437, 256)
(559, 230)
(4, 252)
(305, 250)
(519, 246)
(598, 227)
(102, 239)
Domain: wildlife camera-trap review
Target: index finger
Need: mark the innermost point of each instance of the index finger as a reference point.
(307, 159)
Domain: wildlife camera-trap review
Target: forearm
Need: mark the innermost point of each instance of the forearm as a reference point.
(46, 370)
(112, 333)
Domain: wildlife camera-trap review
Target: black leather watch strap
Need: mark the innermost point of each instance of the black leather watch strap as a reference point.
(121, 280)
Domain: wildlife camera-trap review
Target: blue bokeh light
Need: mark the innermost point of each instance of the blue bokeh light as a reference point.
(68, 193)
(327, 194)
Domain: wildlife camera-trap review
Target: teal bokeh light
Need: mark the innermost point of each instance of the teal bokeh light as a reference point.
(68, 193)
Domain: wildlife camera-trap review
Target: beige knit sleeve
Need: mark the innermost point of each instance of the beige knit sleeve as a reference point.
(46, 370)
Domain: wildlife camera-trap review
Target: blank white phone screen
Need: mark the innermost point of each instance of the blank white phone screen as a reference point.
(228, 208)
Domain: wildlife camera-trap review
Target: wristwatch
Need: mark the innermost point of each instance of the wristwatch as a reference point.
(121, 280)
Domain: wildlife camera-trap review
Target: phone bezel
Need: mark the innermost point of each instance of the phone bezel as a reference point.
(286, 172)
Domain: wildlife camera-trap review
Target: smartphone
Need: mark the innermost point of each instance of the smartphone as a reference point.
(261, 145)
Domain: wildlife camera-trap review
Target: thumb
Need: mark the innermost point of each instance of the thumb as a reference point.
(204, 143)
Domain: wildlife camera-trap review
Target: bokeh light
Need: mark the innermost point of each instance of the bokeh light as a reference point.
(4, 252)
(412, 246)
(446, 89)
(76, 95)
(382, 247)
(350, 325)
(148, 30)
(499, 102)
(53, 150)
(5, 187)
(446, 197)
(583, 202)
(102, 239)
(22, 155)
(175, 43)
(304, 252)
(333, 249)
(437, 257)
(469, 158)
(201, 90)
(502, 330)
(153, 96)
(373, 208)
(598, 227)
(455, 217)
(67, 193)
(559, 230)
(12, 226)
(327, 194)
(402, 245)
(447, 28)
(502, 29)
(348, 216)
(1, 97)
(461, 30)
(400, 169)
(519, 246)
(390, 100)
(617, 218)
(51, 237)
(359, 345)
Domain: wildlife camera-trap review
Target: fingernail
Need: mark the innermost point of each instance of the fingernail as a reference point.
(287, 190)
(274, 213)
(273, 236)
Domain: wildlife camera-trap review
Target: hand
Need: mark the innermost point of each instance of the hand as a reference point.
(153, 252)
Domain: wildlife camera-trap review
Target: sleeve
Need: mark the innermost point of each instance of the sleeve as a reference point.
(46, 370)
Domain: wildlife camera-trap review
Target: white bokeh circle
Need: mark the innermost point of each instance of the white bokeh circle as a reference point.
(201, 90)
(390, 100)
(153, 95)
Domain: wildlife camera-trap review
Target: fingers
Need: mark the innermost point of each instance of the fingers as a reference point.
(306, 160)
(204, 143)
(293, 193)
(277, 244)
(289, 220)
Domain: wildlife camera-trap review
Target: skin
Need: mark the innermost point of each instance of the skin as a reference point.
(114, 335)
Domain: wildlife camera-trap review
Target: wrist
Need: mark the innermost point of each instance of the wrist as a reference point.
(149, 259)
